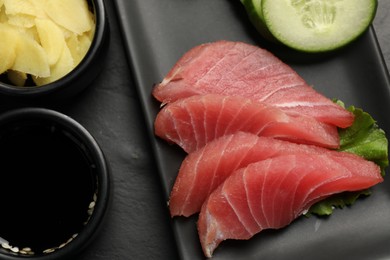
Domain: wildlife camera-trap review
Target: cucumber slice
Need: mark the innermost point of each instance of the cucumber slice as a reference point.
(317, 25)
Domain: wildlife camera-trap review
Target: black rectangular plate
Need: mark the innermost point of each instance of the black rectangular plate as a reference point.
(157, 33)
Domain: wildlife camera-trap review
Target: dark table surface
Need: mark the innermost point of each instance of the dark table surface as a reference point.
(138, 226)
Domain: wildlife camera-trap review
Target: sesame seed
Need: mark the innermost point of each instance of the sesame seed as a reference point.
(92, 205)
(50, 250)
(6, 245)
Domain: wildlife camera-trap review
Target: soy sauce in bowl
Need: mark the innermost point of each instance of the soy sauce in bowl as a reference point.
(51, 184)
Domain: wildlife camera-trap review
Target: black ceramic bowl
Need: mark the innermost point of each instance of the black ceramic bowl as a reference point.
(79, 78)
(55, 185)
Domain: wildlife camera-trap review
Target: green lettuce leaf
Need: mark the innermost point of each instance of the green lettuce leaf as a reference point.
(326, 207)
(365, 139)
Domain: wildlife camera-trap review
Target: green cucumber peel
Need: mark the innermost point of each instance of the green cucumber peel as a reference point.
(363, 138)
(255, 14)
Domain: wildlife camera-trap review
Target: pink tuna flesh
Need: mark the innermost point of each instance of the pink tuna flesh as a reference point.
(240, 69)
(204, 170)
(274, 192)
(192, 122)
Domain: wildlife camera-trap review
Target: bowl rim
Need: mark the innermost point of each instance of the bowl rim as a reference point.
(101, 27)
(91, 228)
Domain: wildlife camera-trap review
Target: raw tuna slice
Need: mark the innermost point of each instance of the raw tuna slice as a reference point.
(192, 122)
(236, 68)
(204, 170)
(274, 192)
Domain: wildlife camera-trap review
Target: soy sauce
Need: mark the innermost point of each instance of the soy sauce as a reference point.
(46, 186)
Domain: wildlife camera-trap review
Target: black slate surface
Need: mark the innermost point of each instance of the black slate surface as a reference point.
(137, 226)
(156, 34)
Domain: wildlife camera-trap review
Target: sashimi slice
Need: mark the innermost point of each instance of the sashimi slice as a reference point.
(192, 122)
(271, 193)
(241, 69)
(202, 171)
